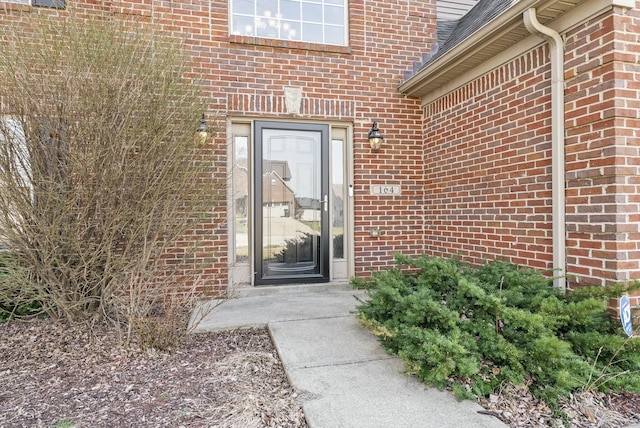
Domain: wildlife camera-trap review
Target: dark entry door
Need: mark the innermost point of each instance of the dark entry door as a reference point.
(292, 202)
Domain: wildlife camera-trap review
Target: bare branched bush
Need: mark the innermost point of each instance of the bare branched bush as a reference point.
(100, 173)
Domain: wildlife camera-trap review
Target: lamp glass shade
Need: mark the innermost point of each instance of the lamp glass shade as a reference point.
(375, 143)
(375, 137)
(201, 131)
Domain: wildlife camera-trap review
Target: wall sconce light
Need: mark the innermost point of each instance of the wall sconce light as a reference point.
(375, 137)
(202, 131)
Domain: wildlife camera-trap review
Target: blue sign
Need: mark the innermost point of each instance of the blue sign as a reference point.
(625, 315)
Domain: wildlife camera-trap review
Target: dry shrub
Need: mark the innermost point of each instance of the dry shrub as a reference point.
(161, 318)
(100, 172)
(161, 323)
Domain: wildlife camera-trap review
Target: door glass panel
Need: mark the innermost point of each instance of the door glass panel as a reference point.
(293, 205)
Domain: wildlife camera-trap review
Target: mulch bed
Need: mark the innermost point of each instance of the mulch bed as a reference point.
(56, 376)
(518, 408)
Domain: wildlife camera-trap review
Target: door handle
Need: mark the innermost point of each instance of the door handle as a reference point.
(325, 203)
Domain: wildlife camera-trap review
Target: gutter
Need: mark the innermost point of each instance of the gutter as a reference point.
(556, 46)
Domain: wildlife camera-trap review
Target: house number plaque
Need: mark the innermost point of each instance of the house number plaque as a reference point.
(385, 190)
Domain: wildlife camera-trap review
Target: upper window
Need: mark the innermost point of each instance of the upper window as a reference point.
(59, 4)
(315, 21)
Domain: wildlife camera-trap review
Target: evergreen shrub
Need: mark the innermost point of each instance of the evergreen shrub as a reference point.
(475, 329)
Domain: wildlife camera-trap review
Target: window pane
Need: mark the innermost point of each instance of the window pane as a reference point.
(267, 8)
(267, 27)
(241, 198)
(312, 33)
(290, 30)
(243, 25)
(338, 197)
(290, 9)
(311, 12)
(334, 35)
(246, 7)
(333, 15)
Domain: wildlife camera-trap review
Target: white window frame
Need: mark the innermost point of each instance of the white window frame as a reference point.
(274, 19)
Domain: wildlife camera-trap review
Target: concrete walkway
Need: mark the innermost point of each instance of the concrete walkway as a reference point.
(345, 378)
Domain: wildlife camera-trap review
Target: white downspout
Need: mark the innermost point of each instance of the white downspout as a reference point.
(556, 46)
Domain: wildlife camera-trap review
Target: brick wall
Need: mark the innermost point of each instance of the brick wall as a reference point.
(246, 76)
(602, 147)
(487, 158)
(488, 166)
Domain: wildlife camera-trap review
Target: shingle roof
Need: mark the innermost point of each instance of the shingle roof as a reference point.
(445, 28)
(481, 14)
(452, 33)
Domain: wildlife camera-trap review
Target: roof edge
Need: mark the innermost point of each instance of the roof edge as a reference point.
(510, 18)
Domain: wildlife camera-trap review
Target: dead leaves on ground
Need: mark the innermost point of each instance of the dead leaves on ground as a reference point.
(53, 373)
(518, 408)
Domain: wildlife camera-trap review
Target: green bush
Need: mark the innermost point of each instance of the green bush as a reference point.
(475, 329)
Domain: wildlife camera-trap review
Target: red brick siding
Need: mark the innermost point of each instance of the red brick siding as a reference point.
(602, 149)
(355, 84)
(487, 158)
(488, 166)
